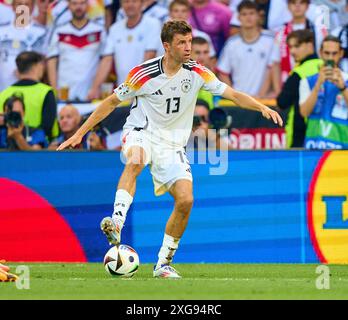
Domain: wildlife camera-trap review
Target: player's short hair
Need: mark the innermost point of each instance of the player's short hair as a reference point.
(247, 4)
(302, 36)
(171, 28)
(185, 3)
(331, 38)
(199, 40)
(27, 59)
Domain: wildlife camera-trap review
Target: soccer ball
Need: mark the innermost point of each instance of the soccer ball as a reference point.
(121, 261)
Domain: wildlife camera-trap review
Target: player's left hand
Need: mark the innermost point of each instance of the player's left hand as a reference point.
(273, 115)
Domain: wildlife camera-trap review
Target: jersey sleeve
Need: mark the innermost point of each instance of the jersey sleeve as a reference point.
(153, 40)
(224, 64)
(53, 46)
(38, 137)
(132, 85)
(103, 42)
(108, 47)
(275, 54)
(210, 82)
(305, 91)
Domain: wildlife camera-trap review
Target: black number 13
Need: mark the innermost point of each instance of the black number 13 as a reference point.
(176, 105)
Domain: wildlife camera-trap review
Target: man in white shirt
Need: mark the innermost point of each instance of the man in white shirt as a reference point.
(74, 52)
(164, 92)
(246, 56)
(16, 38)
(274, 14)
(130, 41)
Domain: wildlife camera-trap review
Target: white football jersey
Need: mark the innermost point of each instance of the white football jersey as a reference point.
(165, 105)
(128, 45)
(246, 62)
(78, 52)
(15, 40)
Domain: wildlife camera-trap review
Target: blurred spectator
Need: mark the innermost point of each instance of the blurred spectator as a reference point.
(14, 134)
(324, 101)
(74, 53)
(301, 46)
(150, 8)
(213, 18)
(39, 99)
(281, 58)
(69, 120)
(203, 137)
(6, 13)
(246, 56)
(180, 10)
(337, 10)
(342, 34)
(58, 12)
(16, 37)
(200, 53)
(274, 13)
(130, 41)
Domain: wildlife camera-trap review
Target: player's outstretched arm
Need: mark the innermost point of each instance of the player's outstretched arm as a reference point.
(100, 113)
(245, 101)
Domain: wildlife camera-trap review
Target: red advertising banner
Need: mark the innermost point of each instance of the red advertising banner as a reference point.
(260, 138)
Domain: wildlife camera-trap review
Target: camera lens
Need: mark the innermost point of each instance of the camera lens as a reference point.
(13, 119)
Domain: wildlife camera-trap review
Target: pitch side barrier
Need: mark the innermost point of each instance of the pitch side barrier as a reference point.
(268, 207)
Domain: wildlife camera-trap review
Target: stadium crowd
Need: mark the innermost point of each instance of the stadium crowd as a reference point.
(58, 55)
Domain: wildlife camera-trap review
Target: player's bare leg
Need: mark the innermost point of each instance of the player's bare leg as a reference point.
(176, 225)
(124, 196)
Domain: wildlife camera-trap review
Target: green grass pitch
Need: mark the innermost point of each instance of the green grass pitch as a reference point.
(200, 281)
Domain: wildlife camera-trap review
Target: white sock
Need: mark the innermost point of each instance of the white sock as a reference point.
(167, 251)
(123, 200)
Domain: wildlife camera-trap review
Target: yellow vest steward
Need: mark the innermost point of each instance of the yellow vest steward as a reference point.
(34, 96)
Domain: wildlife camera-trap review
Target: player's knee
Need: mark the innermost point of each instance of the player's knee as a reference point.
(136, 156)
(134, 168)
(184, 203)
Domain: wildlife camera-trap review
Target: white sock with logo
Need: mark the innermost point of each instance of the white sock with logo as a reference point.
(123, 200)
(167, 251)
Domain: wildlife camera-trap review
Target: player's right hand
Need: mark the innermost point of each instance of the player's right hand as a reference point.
(70, 143)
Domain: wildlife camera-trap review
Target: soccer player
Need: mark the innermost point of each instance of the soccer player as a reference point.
(164, 92)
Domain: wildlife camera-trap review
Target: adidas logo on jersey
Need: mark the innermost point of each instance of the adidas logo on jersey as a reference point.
(157, 93)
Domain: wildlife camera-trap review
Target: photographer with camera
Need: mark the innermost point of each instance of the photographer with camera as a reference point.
(207, 125)
(324, 100)
(14, 134)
